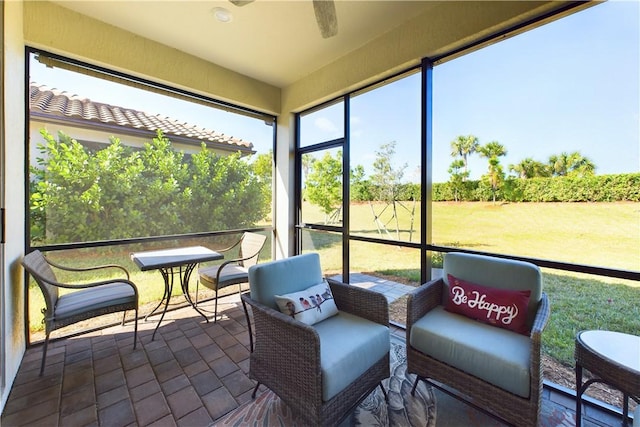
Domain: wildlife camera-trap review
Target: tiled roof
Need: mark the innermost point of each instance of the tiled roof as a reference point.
(62, 105)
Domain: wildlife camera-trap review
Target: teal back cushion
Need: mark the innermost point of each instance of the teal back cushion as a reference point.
(496, 273)
(283, 276)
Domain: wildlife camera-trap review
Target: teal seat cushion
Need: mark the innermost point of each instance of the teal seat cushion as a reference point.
(496, 355)
(284, 276)
(93, 299)
(349, 345)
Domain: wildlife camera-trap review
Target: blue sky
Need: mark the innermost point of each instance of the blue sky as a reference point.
(571, 85)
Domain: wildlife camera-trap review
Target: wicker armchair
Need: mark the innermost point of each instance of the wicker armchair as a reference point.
(288, 354)
(232, 271)
(88, 300)
(481, 341)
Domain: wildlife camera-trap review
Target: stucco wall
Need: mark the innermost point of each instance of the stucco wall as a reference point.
(93, 41)
(13, 183)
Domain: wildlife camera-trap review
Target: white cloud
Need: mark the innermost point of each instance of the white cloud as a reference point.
(325, 125)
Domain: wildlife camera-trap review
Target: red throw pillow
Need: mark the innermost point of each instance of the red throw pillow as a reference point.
(498, 307)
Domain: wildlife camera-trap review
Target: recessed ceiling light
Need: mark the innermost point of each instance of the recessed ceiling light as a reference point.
(222, 14)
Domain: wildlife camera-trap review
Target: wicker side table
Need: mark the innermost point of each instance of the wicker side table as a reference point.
(614, 359)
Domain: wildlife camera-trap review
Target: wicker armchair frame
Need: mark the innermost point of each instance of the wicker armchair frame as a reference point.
(40, 268)
(286, 356)
(496, 401)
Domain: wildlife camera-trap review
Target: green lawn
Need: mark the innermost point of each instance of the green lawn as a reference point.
(603, 234)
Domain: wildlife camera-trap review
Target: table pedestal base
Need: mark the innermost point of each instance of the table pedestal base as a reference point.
(184, 272)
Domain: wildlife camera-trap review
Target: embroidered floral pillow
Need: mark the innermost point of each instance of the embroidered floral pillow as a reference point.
(309, 306)
(498, 307)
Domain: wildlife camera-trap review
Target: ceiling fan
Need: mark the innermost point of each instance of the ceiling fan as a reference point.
(325, 11)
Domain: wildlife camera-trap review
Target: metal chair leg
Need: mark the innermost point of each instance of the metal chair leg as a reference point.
(415, 384)
(44, 353)
(384, 392)
(215, 307)
(197, 286)
(135, 331)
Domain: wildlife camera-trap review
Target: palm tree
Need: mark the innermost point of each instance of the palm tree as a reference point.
(571, 164)
(495, 176)
(529, 168)
(457, 178)
(492, 150)
(464, 146)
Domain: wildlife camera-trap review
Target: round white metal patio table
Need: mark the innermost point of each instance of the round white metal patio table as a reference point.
(614, 359)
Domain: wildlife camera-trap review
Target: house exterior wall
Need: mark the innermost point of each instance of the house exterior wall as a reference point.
(82, 135)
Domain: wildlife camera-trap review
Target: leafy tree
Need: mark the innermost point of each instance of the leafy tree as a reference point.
(65, 190)
(324, 183)
(529, 168)
(263, 167)
(571, 164)
(118, 192)
(495, 175)
(307, 164)
(359, 187)
(263, 170)
(121, 206)
(464, 146)
(224, 193)
(386, 179)
(163, 180)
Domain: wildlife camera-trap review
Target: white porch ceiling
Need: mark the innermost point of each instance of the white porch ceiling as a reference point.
(277, 42)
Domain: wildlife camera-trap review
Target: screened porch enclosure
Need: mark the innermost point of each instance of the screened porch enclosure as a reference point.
(447, 138)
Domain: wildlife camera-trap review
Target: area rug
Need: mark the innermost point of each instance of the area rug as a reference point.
(401, 410)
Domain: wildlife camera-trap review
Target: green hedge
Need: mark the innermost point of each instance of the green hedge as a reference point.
(597, 188)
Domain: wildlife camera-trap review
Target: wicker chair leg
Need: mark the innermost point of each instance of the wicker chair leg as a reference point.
(44, 353)
(255, 390)
(246, 315)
